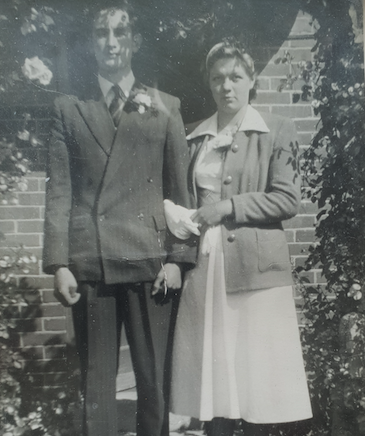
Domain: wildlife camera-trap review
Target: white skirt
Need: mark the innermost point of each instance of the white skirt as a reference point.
(236, 355)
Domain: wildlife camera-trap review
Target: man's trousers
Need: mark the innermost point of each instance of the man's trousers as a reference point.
(98, 319)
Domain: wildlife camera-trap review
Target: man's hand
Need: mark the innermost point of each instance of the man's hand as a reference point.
(212, 214)
(172, 274)
(65, 286)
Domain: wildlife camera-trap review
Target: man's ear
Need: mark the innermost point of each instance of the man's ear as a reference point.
(137, 42)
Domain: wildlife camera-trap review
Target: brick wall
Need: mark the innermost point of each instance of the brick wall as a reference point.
(44, 327)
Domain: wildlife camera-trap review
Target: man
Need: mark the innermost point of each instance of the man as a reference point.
(111, 163)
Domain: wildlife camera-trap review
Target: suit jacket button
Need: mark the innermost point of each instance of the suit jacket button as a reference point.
(140, 216)
(235, 148)
(231, 237)
(228, 180)
(149, 180)
(101, 217)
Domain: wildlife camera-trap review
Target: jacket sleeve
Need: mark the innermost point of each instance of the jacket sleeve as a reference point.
(176, 162)
(281, 198)
(58, 196)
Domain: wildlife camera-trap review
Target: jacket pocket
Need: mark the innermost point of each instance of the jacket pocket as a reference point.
(273, 251)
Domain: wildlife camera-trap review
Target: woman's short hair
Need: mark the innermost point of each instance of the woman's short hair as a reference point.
(231, 48)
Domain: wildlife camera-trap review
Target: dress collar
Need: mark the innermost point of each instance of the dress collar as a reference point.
(252, 121)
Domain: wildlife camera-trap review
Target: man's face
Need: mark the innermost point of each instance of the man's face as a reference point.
(113, 41)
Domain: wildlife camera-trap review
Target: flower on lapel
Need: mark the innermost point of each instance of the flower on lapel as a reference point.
(140, 101)
(143, 101)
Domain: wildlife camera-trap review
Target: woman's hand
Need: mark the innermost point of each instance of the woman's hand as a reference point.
(212, 214)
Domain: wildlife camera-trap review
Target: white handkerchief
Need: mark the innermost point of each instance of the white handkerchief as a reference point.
(179, 221)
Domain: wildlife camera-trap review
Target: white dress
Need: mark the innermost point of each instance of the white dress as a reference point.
(236, 355)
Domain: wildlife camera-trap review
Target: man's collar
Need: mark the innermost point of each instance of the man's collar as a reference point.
(126, 84)
(252, 121)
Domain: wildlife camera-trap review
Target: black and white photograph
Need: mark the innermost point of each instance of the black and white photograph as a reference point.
(182, 218)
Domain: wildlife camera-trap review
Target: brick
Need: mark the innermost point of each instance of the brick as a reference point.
(55, 352)
(28, 240)
(307, 207)
(307, 43)
(32, 353)
(31, 199)
(20, 212)
(320, 278)
(306, 125)
(299, 54)
(7, 226)
(289, 234)
(33, 185)
(305, 235)
(55, 324)
(299, 261)
(293, 111)
(35, 226)
(263, 83)
(262, 107)
(272, 97)
(298, 249)
(42, 185)
(275, 70)
(299, 221)
(40, 338)
(52, 310)
(39, 282)
(48, 297)
(304, 138)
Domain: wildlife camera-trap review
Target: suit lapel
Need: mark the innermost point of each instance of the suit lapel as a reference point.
(97, 118)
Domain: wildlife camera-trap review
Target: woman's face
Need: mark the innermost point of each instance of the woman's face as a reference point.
(230, 85)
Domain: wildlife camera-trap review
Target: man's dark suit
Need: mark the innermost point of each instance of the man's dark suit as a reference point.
(105, 221)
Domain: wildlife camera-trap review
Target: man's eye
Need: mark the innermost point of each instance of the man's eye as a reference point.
(236, 78)
(101, 33)
(118, 33)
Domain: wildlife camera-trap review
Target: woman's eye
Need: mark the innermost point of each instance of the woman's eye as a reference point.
(236, 78)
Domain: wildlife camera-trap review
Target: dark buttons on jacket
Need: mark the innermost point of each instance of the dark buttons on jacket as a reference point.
(231, 238)
(235, 148)
(228, 180)
(140, 216)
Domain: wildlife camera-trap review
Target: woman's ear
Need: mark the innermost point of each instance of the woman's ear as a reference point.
(137, 42)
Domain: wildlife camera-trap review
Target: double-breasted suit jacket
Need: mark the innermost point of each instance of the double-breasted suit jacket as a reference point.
(106, 186)
(261, 176)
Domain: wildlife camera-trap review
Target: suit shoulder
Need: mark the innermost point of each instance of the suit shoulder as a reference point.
(65, 101)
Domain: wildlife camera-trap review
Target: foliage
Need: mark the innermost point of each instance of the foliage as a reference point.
(335, 173)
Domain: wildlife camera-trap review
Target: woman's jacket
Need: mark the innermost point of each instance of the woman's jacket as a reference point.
(261, 176)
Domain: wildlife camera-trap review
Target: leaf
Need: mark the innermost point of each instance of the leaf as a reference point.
(296, 97)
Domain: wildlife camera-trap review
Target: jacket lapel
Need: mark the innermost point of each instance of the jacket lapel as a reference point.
(97, 118)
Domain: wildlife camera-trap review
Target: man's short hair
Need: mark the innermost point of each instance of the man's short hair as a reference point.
(124, 5)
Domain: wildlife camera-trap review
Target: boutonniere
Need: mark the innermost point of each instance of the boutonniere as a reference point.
(140, 101)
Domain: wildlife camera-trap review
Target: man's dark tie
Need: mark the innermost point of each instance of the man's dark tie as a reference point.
(115, 106)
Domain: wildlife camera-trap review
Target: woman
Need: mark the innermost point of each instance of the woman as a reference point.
(237, 352)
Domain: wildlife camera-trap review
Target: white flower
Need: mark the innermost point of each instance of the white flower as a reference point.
(35, 69)
(141, 109)
(143, 99)
(24, 135)
(355, 292)
(3, 264)
(316, 103)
